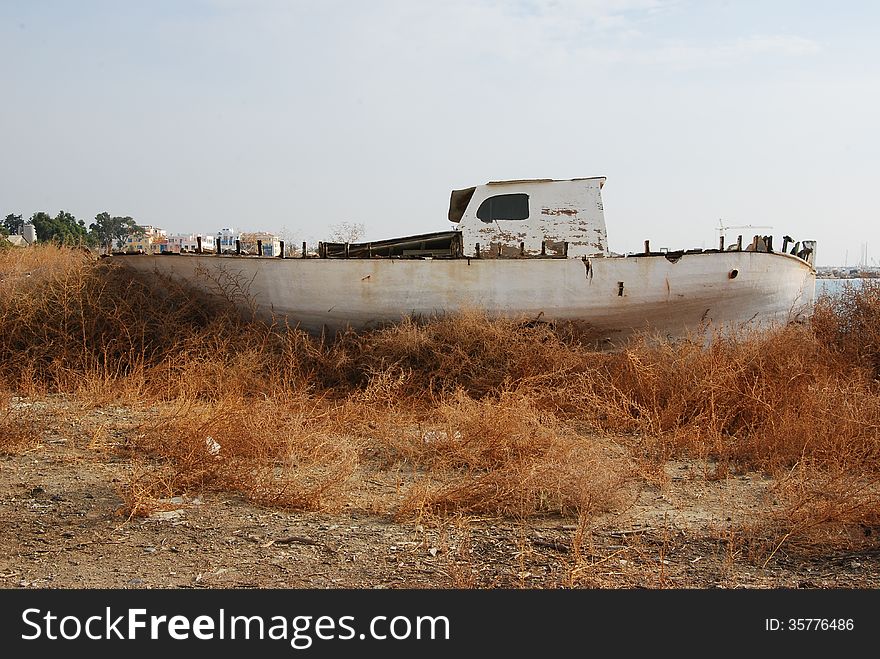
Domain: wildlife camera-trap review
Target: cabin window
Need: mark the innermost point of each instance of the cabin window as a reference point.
(504, 207)
(458, 203)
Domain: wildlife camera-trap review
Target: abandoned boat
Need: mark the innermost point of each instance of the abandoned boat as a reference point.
(531, 249)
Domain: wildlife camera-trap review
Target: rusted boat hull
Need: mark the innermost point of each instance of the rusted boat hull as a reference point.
(614, 296)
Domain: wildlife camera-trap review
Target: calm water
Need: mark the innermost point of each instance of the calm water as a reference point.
(834, 286)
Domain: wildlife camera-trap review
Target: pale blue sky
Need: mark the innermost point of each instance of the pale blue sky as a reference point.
(298, 115)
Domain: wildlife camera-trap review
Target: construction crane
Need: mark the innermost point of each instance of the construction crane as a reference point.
(722, 228)
(754, 230)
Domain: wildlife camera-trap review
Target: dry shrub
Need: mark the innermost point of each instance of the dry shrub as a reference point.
(466, 351)
(18, 430)
(66, 314)
(760, 400)
(729, 385)
(506, 457)
(202, 370)
(837, 507)
(849, 324)
(273, 454)
(147, 489)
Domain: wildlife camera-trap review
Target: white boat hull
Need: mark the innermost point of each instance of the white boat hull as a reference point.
(614, 296)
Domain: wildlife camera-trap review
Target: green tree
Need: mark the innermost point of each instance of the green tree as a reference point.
(64, 228)
(13, 224)
(42, 225)
(106, 229)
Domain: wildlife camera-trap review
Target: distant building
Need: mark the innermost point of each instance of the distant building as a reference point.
(28, 236)
(15, 240)
(189, 242)
(270, 242)
(152, 241)
(226, 238)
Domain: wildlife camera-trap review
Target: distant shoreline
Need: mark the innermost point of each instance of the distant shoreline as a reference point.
(858, 274)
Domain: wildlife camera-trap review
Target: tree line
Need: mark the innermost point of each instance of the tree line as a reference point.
(106, 231)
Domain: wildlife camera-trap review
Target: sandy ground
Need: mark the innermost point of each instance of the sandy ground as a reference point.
(61, 527)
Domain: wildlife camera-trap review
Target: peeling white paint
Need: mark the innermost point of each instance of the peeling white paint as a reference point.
(559, 212)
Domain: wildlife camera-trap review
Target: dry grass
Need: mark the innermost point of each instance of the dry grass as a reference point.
(759, 401)
(849, 324)
(491, 416)
(17, 429)
(272, 454)
(828, 506)
(464, 352)
(66, 318)
(507, 457)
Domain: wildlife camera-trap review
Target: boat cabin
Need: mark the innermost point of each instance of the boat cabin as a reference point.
(505, 219)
